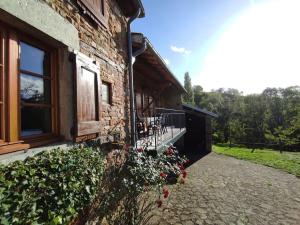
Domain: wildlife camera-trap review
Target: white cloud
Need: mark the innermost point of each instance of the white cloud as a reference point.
(180, 50)
(167, 61)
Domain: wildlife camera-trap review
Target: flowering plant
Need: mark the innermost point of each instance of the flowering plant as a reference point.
(155, 170)
(140, 183)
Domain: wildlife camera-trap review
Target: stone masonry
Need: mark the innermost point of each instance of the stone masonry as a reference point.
(108, 47)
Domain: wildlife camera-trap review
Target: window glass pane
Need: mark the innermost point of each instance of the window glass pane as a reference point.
(34, 60)
(105, 93)
(35, 120)
(35, 89)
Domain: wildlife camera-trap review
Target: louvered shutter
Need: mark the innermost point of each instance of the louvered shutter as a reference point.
(88, 98)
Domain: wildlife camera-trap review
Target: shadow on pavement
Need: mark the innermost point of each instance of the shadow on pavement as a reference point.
(193, 156)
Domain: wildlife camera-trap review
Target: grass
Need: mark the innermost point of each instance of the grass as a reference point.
(286, 161)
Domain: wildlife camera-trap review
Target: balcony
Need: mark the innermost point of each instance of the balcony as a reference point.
(165, 127)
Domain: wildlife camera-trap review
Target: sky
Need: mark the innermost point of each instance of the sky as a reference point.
(244, 44)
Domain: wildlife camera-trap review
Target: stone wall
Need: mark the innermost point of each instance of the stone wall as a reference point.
(108, 47)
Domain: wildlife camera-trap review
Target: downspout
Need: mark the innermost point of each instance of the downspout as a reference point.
(133, 115)
(130, 70)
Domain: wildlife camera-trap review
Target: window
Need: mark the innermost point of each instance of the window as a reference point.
(28, 109)
(96, 9)
(35, 90)
(106, 93)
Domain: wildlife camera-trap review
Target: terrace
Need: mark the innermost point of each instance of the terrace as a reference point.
(165, 127)
(159, 118)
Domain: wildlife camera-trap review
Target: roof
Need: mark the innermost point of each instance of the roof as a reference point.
(130, 7)
(152, 57)
(198, 110)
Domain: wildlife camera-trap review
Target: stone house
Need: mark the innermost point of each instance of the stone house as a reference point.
(71, 71)
(64, 71)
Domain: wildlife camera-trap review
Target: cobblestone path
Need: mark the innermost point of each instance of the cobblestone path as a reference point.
(222, 190)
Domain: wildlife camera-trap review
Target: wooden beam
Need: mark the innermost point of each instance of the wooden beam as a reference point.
(157, 95)
(13, 100)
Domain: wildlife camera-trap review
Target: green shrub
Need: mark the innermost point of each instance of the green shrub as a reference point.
(51, 187)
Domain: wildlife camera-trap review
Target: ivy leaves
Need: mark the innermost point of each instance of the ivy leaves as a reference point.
(50, 188)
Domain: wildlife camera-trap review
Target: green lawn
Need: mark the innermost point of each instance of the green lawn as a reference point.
(287, 161)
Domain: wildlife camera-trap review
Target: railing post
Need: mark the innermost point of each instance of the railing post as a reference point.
(154, 131)
(172, 124)
(136, 129)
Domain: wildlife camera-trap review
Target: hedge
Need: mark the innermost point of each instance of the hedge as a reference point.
(51, 187)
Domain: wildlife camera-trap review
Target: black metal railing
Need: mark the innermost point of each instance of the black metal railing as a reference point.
(161, 126)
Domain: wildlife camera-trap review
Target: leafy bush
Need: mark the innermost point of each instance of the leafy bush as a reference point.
(54, 187)
(49, 188)
(137, 185)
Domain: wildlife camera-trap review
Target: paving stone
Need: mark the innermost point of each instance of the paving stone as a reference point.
(223, 190)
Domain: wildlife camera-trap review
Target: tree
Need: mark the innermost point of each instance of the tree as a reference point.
(189, 96)
(198, 95)
(283, 127)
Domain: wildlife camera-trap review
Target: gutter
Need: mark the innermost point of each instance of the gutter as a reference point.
(141, 50)
(130, 70)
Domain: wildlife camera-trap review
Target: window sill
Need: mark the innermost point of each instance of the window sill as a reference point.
(40, 140)
(12, 147)
(22, 155)
(28, 143)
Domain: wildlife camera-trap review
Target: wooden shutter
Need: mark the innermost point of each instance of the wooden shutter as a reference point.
(88, 98)
(96, 9)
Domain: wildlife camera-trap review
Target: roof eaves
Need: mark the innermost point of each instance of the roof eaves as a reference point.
(140, 5)
(203, 111)
(165, 65)
(130, 7)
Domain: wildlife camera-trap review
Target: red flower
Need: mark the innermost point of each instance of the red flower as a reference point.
(159, 203)
(169, 151)
(187, 161)
(181, 167)
(140, 149)
(126, 147)
(165, 192)
(184, 173)
(162, 175)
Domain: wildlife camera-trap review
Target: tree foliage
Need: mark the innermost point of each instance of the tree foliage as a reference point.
(189, 96)
(271, 117)
(198, 95)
